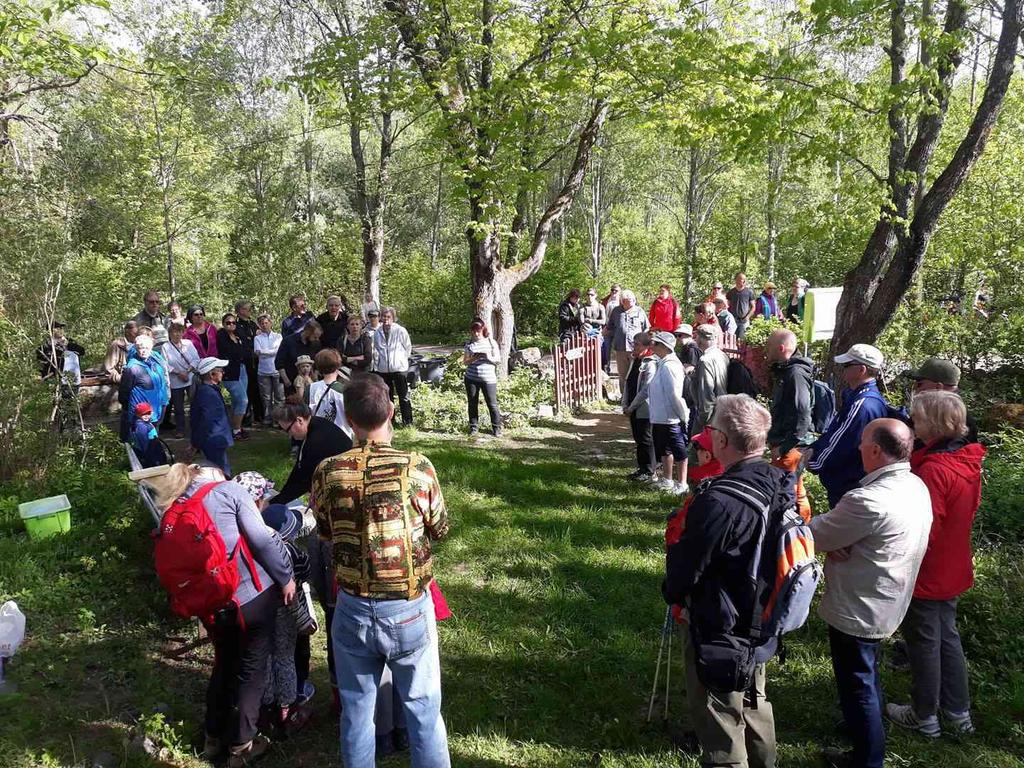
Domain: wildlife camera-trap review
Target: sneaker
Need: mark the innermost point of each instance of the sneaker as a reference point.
(665, 484)
(903, 716)
(959, 722)
(246, 754)
(474, 431)
(636, 474)
(682, 489)
(496, 431)
(308, 692)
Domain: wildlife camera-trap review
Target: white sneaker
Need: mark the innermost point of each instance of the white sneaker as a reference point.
(959, 722)
(665, 484)
(682, 489)
(903, 715)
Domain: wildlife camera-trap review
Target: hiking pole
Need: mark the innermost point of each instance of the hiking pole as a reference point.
(668, 659)
(657, 668)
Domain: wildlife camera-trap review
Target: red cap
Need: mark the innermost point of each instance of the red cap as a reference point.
(143, 408)
(703, 440)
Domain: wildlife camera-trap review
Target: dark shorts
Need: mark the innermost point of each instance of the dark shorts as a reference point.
(669, 438)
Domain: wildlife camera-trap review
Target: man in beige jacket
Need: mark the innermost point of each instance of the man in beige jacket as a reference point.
(875, 537)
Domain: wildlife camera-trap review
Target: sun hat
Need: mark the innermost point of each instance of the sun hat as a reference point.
(665, 339)
(256, 484)
(304, 360)
(863, 354)
(768, 285)
(143, 408)
(208, 364)
(287, 522)
(684, 329)
(938, 370)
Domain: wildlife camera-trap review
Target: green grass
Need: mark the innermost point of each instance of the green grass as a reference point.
(552, 570)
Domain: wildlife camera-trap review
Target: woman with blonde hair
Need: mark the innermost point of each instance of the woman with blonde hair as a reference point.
(242, 631)
(950, 467)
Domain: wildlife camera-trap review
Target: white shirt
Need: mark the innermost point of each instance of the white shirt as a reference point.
(393, 349)
(266, 346)
(182, 361)
(665, 393)
(328, 404)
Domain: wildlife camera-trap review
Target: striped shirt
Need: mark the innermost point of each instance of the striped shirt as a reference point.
(380, 508)
(485, 370)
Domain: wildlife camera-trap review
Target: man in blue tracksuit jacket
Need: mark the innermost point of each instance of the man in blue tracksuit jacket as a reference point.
(835, 456)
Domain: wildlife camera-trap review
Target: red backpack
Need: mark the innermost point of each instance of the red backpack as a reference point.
(191, 559)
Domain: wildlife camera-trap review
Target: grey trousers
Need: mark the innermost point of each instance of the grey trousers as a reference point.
(732, 733)
(271, 393)
(937, 664)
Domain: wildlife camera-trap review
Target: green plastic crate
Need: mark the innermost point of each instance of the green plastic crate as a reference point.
(46, 517)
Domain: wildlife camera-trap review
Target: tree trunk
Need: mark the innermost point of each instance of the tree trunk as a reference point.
(435, 230)
(692, 218)
(776, 161)
(313, 254)
(890, 263)
(165, 182)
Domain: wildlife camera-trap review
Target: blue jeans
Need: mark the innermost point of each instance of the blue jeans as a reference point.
(855, 662)
(366, 634)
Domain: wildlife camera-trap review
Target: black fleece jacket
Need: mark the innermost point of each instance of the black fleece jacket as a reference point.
(791, 403)
(709, 569)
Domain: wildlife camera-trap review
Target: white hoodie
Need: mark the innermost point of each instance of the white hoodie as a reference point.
(665, 393)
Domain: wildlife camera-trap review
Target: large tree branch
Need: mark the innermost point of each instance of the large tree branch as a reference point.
(577, 172)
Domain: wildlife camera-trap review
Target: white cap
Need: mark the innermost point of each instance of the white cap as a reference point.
(208, 364)
(864, 354)
(685, 329)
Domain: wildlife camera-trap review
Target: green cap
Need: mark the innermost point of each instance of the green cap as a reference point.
(937, 370)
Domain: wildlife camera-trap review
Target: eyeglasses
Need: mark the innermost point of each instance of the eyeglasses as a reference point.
(198, 314)
(230, 322)
(288, 429)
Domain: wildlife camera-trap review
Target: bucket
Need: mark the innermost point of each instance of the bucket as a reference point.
(46, 517)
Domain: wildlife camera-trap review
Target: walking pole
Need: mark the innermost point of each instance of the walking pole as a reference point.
(657, 668)
(668, 659)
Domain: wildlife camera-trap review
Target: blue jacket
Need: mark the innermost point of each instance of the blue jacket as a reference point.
(836, 457)
(147, 444)
(210, 425)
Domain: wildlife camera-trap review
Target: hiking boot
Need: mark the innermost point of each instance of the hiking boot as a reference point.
(474, 430)
(903, 715)
(837, 758)
(496, 431)
(247, 754)
(297, 719)
(213, 748)
(400, 739)
(959, 722)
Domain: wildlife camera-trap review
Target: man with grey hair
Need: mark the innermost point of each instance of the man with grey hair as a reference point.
(334, 321)
(627, 320)
(708, 570)
(876, 538)
(710, 377)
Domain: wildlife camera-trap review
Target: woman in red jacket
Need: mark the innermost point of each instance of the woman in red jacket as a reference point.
(665, 314)
(950, 467)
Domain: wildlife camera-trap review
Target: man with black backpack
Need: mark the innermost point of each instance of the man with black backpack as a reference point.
(792, 402)
(725, 569)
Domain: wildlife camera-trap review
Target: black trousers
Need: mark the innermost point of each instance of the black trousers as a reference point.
(398, 384)
(253, 391)
(645, 460)
(490, 390)
(241, 646)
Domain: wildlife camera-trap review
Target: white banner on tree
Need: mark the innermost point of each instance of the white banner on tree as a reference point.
(820, 313)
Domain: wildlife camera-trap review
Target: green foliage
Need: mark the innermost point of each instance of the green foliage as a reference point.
(443, 407)
(1001, 515)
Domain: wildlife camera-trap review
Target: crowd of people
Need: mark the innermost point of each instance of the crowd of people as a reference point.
(903, 486)
(233, 375)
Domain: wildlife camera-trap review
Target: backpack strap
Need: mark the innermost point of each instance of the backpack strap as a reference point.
(756, 500)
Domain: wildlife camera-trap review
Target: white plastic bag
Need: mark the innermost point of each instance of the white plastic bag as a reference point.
(12, 628)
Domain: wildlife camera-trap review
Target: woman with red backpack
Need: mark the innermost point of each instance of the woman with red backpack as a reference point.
(220, 562)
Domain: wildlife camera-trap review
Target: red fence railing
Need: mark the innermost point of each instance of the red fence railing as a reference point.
(577, 371)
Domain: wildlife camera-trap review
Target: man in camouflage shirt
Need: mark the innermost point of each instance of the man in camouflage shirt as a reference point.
(381, 509)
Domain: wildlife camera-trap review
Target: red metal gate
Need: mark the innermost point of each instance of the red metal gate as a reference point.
(577, 371)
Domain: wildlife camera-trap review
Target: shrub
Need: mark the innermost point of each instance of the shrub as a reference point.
(443, 407)
(1002, 494)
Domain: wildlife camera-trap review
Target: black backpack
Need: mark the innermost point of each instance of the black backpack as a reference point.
(739, 380)
(823, 406)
